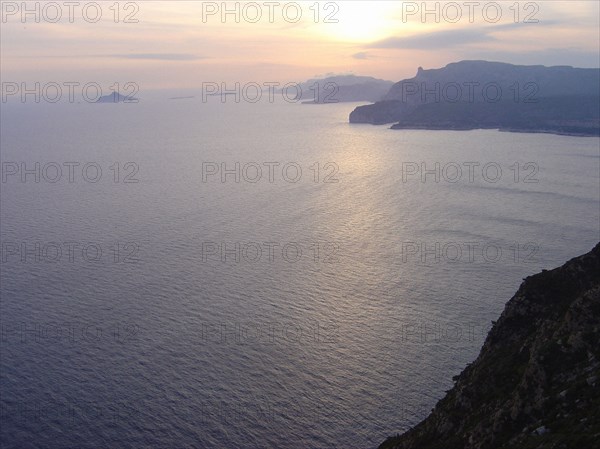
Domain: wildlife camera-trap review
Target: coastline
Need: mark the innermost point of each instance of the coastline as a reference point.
(499, 129)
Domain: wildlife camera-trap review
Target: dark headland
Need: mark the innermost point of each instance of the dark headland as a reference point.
(536, 381)
(492, 95)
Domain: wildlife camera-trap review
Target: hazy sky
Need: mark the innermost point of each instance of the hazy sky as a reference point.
(183, 43)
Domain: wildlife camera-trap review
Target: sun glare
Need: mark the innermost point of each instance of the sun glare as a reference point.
(362, 21)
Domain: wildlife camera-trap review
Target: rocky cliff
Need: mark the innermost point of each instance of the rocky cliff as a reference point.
(536, 382)
(482, 94)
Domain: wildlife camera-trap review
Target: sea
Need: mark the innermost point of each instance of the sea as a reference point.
(180, 273)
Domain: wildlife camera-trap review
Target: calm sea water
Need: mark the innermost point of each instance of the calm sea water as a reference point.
(351, 307)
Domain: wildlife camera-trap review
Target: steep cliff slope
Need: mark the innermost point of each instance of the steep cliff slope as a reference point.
(536, 382)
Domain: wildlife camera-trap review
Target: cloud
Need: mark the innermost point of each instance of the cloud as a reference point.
(361, 55)
(452, 38)
(523, 25)
(435, 40)
(158, 56)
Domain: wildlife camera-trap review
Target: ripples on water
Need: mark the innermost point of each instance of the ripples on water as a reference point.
(340, 351)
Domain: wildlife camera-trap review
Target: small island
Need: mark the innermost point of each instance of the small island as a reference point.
(116, 97)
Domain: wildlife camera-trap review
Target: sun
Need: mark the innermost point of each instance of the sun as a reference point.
(359, 21)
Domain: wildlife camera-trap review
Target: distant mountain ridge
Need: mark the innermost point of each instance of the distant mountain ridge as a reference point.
(536, 381)
(482, 94)
(344, 88)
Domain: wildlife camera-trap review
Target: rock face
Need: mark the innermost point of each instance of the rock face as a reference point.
(481, 94)
(536, 382)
